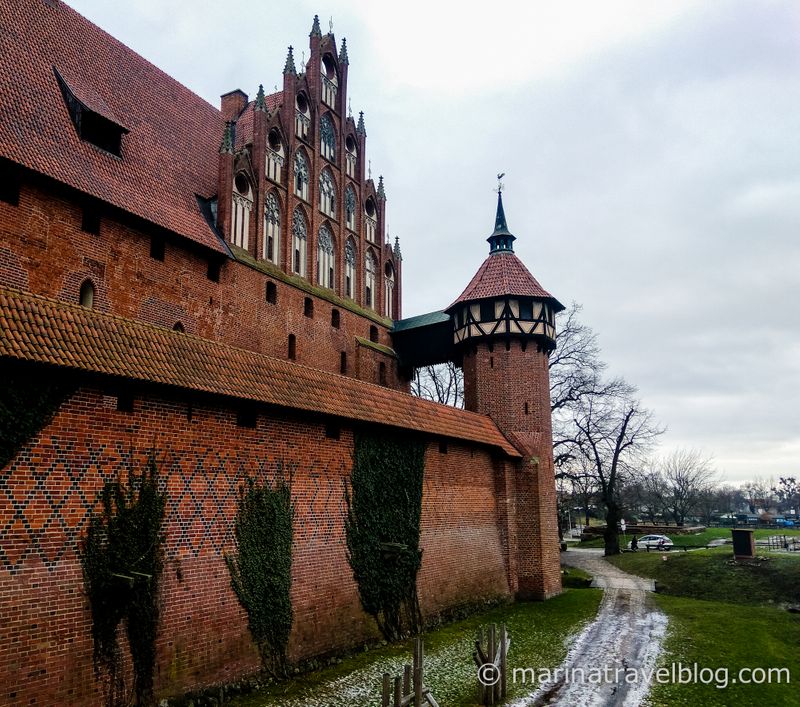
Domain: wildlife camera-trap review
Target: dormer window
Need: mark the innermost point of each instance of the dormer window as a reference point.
(327, 194)
(371, 220)
(240, 211)
(302, 116)
(275, 156)
(327, 138)
(92, 118)
(330, 81)
(350, 207)
(350, 156)
(300, 176)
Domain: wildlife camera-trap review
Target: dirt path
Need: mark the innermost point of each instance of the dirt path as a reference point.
(612, 659)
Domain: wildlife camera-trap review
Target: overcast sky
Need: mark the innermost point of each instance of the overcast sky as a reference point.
(652, 167)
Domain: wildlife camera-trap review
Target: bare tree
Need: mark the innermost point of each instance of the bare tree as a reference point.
(758, 494)
(686, 475)
(442, 383)
(611, 432)
(788, 493)
(647, 491)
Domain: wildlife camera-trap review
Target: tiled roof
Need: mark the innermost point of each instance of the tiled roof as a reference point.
(504, 274)
(38, 329)
(171, 151)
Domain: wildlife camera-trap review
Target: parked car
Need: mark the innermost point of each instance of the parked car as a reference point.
(653, 542)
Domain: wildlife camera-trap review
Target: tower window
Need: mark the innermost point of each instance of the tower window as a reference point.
(382, 373)
(335, 317)
(86, 296)
(90, 220)
(292, 347)
(373, 334)
(213, 270)
(487, 311)
(343, 363)
(157, 248)
(308, 307)
(272, 293)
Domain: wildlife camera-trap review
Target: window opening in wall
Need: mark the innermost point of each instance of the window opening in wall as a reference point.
(179, 328)
(382, 373)
(326, 257)
(292, 347)
(491, 361)
(343, 363)
(526, 408)
(86, 296)
(442, 447)
(335, 318)
(508, 344)
(212, 273)
(308, 307)
(241, 208)
(349, 267)
(125, 402)
(9, 185)
(272, 228)
(275, 156)
(332, 431)
(272, 293)
(90, 220)
(247, 417)
(373, 334)
(157, 248)
(299, 242)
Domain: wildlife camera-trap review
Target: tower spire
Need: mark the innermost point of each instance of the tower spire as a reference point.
(343, 52)
(315, 30)
(360, 127)
(227, 139)
(260, 103)
(289, 68)
(501, 240)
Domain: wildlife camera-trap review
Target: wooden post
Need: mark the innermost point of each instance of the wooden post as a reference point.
(398, 696)
(385, 693)
(503, 657)
(490, 656)
(406, 680)
(418, 672)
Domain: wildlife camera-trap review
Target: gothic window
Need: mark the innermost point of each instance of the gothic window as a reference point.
(350, 156)
(369, 280)
(370, 220)
(275, 156)
(326, 258)
(327, 138)
(327, 194)
(349, 267)
(330, 82)
(302, 116)
(272, 228)
(388, 292)
(300, 175)
(241, 208)
(299, 243)
(350, 207)
(86, 296)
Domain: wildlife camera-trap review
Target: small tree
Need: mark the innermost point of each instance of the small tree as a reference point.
(261, 567)
(686, 475)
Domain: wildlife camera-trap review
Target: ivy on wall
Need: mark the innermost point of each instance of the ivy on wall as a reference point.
(122, 560)
(384, 507)
(261, 567)
(27, 404)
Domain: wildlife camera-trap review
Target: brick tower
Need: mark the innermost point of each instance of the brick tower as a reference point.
(504, 324)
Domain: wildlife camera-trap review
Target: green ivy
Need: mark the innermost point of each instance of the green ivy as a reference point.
(122, 559)
(384, 506)
(261, 567)
(27, 405)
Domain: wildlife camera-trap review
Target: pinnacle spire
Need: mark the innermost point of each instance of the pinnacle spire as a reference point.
(315, 30)
(397, 253)
(381, 191)
(289, 67)
(501, 241)
(260, 102)
(227, 139)
(343, 52)
(360, 127)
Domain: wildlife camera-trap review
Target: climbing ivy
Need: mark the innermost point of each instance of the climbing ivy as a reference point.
(27, 405)
(122, 559)
(384, 506)
(261, 567)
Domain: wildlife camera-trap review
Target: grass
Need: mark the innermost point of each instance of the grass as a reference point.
(712, 575)
(725, 639)
(574, 577)
(538, 631)
(698, 539)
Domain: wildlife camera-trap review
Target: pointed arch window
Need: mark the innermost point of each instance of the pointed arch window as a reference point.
(369, 279)
(241, 208)
(388, 291)
(370, 220)
(300, 175)
(350, 207)
(326, 257)
(350, 156)
(327, 194)
(327, 138)
(272, 228)
(302, 116)
(349, 267)
(275, 156)
(86, 294)
(330, 81)
(299, 240)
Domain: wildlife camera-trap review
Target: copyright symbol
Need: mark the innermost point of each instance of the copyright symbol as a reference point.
(488, 675)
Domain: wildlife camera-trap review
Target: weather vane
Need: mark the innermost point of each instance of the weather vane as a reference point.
(369, 171)
(330, 24)
(499, 189)
(303, 59)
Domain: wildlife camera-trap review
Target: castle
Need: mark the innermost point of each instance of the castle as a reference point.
(215, 284)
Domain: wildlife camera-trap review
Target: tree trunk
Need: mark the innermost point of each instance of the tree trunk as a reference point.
(611, 534)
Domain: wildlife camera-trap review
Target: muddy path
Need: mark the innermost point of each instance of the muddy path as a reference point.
(610, 663)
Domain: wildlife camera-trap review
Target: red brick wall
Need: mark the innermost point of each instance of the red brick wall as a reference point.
(50, 486)
(44, 250)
